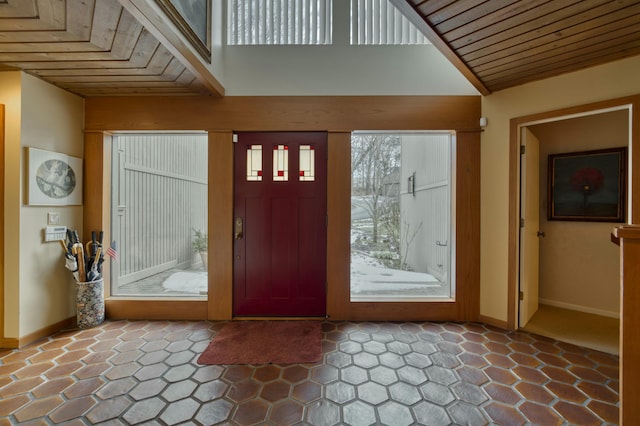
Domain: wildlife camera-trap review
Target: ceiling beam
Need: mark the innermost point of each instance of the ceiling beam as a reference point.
(158, 25)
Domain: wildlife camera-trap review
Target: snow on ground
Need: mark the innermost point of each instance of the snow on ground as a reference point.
(370, 278)
(186, 282)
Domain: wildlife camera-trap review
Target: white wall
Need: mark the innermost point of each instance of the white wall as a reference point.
(337, 69)
(39, 291)
(340, 69)
(604, 82)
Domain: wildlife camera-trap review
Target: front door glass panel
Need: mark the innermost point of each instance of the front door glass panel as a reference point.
(307, 162)
(280, 163)
(254, 162)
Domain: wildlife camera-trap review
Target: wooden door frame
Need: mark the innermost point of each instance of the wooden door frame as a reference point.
(2, 130)
(629, 320)
(632, 103)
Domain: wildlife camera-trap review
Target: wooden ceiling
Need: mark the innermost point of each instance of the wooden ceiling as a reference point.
(89, 47)
(504, 43)
(99, 47)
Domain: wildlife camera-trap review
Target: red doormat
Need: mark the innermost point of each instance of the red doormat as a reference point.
(265, 342)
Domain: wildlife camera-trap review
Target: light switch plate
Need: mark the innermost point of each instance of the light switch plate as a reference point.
(53, 218)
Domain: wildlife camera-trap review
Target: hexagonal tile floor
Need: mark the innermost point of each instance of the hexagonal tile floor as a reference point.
(145, 372)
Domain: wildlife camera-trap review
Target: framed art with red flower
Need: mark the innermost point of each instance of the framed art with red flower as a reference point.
(588, 185)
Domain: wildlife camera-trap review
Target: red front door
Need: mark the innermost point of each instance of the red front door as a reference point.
(280, 208)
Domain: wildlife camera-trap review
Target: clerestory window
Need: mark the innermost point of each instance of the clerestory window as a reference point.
(380, 22)
(310, 22)
(279, 22)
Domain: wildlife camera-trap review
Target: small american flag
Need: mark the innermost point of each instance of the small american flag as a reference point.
(112, 252)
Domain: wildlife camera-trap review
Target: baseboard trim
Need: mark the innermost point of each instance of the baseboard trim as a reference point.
(47, 331)
(9, 343)
(493, 322)
(156, 309)
(580, 308)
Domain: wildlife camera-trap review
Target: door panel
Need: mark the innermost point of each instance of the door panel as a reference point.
(280, 259)
(530, 212)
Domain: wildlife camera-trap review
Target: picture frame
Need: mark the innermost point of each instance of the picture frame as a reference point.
(193, 19)
(588, 186)
(53, 179)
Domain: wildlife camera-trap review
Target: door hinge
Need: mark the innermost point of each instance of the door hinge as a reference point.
(521, 295)
(522, 149)
(235, 138)
(521, 222)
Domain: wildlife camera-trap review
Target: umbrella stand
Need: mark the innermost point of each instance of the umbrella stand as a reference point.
(85, 266)
(90, 303)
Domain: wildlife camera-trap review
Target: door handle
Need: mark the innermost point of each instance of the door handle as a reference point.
(237, 229)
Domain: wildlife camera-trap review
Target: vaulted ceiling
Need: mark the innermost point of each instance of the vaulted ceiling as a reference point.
(504, 43)
(99, 47)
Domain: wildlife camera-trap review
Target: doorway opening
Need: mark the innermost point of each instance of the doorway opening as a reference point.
(568, 271)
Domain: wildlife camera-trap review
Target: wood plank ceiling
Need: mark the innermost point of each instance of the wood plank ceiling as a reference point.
(96, 47)
(504, 43)
(89, 47)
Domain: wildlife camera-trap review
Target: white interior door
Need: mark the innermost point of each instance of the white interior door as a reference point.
(530, 218)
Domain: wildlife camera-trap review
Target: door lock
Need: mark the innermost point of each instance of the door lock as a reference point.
(237, 229)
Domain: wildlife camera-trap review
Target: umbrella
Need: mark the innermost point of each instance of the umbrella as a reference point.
(78, 251)
(84, 261)
(69, 260)
(101, 259)
(92, 271)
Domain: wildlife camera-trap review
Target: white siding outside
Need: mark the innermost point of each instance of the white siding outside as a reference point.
(159, 196)
(425, 215)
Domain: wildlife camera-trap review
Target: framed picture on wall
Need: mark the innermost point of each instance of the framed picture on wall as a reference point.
(588, 186)
(53, 179)
(193, 19)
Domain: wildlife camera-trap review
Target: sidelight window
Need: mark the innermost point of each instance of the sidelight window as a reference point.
(159, 214)
(401, 216)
